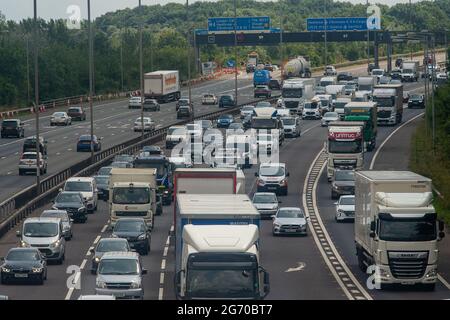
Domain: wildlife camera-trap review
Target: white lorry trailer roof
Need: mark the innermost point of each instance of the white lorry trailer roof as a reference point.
(394, 176)
(213, 205)
(160, 72)
(220, 238)
(145, 175)
(404, 200)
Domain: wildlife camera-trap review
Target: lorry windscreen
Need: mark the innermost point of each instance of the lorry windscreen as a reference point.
(126, 195)
(222, 280)
(264, 123)
(291, 93)
(365, 87)
(385, 102)
(407, 71)
(345, 146)
(407, 230)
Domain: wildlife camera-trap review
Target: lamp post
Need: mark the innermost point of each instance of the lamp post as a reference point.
(235, 56)
(91, 79)
(281, 38)
(141, 69)
(188, 43)
(36, 98)
(326, 26)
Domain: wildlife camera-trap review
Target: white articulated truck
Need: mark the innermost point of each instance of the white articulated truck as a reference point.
(132, 194)
(396, 229)
(389, 99)
(216, 248)
(163, 85)
(295, 92)
(345, 146)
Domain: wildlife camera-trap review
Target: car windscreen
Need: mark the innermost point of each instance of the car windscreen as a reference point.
(104, 171)
(118, 267)
(75, 110)
(29, 156)
(330, 115)
(264, 198)
(9, 124)
(129, 226)
(347, 201)
(41, 229)
(23, 255)
(178, 131)
(59, 114)
(288, 213)
(68, 197)
(271, 171)
(102, 180)
(50, 214)
(82, 186)
(288, 121)
(345, 176)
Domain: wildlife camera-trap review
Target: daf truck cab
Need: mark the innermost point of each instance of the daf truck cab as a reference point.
(396, 228)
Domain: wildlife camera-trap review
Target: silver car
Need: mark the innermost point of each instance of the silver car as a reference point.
(329, 117)
(247, 110)
(266, 203)
(65, 219)
(58, 118)
(345, 208)
(120, 274)
(108, 245)
(289, 220)
(291, 126)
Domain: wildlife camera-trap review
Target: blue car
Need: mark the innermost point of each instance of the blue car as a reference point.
(84, 143)
(226, 101)
(224, 121)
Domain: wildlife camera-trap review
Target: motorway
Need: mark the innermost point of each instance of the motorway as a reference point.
(296, 265)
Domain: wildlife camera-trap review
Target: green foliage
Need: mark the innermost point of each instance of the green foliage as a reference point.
(63, 53)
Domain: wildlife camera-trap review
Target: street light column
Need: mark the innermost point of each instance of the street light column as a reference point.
(91, 80)
(36, 99)
(235, 56)
(141, 68)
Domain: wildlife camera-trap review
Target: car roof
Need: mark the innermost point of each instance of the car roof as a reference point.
(120, 255)
(54, 211)
(43, 219)
(347, 196)
(272, 165)
(80, 179)
(70, 192)
(113, 240)
(265, 193)
(291, 208)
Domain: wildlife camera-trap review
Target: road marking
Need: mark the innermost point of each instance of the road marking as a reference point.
(83, 264)
(444, 282)
(9, 172)
(58, 153)
(70, 149)
(310, 207)
(375, 156)
(161, 293)
(97, 239)
(3, 158)
(76, 279)
(104, 228)
(163, 264)
(88, 253)
(161, 278)
(300, 267)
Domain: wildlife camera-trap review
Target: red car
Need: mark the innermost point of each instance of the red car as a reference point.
(77, 113)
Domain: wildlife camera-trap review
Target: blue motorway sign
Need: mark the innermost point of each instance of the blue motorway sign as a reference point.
(242, 24)
(338, 24)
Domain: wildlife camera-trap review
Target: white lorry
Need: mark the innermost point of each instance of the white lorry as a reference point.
(295, 92)
(132, 193)
(396, 228)
(163, 85)
(389, 98)
(410, 71)
(345, 146)
(328, 81)
(216, 249)
(366, 84)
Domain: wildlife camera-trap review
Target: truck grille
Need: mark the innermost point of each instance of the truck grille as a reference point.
(118, 285)
(131, 213)
(384, 114)
(290, 227)
(408, 268)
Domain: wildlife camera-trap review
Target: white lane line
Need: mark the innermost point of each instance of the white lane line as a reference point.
(444, 282)
(375, 156)
(16, 153)
(166, 250)
(70, 149)
(10, 172)
(69, 294)
(161, 278)
(58, 153)
(104, 228)
(163, 264)
(161, 293)
(97, 239)
(83, 264)
(88, 253)
(76, 279)
(3, 158)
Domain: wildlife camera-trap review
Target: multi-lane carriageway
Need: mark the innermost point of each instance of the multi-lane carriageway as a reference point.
(319, 266)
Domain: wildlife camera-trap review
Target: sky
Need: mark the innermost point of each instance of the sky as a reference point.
(48, 9)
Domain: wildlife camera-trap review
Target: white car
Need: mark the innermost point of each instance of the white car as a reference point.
(209, 98)
(345, 208)
(28, 162)
(329, 117)
(330, 71)
(149, 125)
(266, 203)
(290, 220)
(60, 118)
(88, 189)
(247, 110)
(378, 73)
(134, 102)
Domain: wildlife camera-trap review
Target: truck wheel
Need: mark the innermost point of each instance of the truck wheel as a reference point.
(361, 263)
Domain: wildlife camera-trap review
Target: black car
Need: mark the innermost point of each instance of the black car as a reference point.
(370, 67)
(152, 150)
(24, 264)
(73, 203)
(12, 128)
(102, 187)
(184, 112)
(183, 102)
(344, 76)
(226, 101)
(343, 183)
(29, 145)
(136, 232)
(416, 101)
(274, 84)
(151, 104)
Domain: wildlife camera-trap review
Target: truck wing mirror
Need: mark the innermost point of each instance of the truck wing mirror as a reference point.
(441, 225)
(372, 234)
(18, 233)
(372, 226)
(441, 235)
(266, 280)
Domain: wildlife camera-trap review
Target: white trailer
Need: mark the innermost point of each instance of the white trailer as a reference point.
(132, 193)
(389, 98)
(396, 227)
(163, 85)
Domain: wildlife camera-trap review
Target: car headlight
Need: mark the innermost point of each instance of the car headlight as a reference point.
(81, 209)
(142, 237)
(97, 259)
(382, 272)
(283, 182)
(6, 270)
(431, 273)
(24, 244)
(335, 187)
(135, 285)
(37, 270)
(55, 244)
(101, 284)
(166, 191)
(276, 225)
(261, 182)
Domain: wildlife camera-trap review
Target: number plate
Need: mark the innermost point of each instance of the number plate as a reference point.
(21, 275)
(290, 230)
